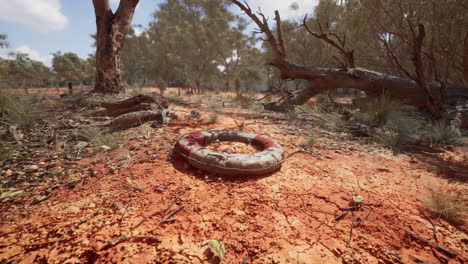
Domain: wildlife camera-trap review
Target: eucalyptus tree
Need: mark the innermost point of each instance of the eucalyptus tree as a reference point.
(410, 18)
(199, 41)
(68, 67)
(112, 28)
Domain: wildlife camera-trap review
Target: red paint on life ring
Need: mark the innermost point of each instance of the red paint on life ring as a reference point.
(190, 141)
(192, 147)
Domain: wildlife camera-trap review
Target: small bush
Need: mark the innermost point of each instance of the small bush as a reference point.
(213, 117)
(162, 87)
(99, 138)
(311, 141)
(245, 101)
(5, 153)
(389, 137)
(390, 122)
(444, 134)
(321, 100)
(378, 111)
(447, 205)
(21, 111)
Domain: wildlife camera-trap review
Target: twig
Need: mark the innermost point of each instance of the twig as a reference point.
(125, 212)
(352, 227)
(441, 249)
(175, 212)
(130, 237)
(341, 216)
(114, 202)
(131, 186)
(418, 260)
(434, 227)
(76, 224)
(161, 211)
(391, 253)
(303, 151)
(156, 187)
(168, 220)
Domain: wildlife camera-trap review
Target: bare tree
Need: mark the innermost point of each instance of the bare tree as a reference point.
(324, 79)
(110, 37)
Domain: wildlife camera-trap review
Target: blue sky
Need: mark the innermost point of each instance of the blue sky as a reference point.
(42, 27)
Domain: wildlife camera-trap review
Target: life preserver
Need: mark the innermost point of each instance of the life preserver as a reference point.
(191, 147)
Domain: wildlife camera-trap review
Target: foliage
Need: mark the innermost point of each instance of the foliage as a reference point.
(391, 122)
(5, 153)
(3, 41)
(19, 71)
(447, 205)
(71, 68)
(443, 133)
(213, 117)
(99, 138)
(311, 141)
(21, 111)
(245, 101)
(162, 86)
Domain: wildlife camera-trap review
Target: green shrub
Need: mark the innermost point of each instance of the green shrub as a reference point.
(21, 111)
(5, 153)
(443, 133)
(390, 122)
(378, 111)
(99, 138)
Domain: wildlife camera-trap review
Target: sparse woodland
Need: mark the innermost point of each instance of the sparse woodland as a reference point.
(368, 98)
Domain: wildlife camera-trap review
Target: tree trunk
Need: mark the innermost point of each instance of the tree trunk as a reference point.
(465, 59)
(110, 37)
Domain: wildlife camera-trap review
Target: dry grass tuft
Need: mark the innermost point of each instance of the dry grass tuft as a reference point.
(448, 205)
(99, 138)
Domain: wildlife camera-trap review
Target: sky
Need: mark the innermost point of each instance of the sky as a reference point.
(42, 27)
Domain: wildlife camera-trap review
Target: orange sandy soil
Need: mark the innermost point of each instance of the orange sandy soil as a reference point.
(283, 217)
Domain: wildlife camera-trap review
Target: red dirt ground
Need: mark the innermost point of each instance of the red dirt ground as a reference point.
(284, 217)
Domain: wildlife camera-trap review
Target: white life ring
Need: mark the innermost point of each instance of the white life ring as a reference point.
(192, 147)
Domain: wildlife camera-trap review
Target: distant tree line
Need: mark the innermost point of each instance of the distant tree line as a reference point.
(205, 44)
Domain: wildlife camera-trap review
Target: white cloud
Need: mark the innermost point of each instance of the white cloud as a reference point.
(268, 8)
(41, 15)
(35, 55)
(138, 30)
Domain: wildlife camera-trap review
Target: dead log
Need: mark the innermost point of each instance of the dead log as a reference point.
(135, 118)
(134, 108)
(127, 103)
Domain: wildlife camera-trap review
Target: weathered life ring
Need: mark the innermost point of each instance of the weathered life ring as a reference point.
(191, 147)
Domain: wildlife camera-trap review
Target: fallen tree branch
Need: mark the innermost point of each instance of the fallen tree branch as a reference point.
(434, 227)
(114, 202)
(441, 249)
(125, 212)
(355, 223)
(131, 237)
(174, 212)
